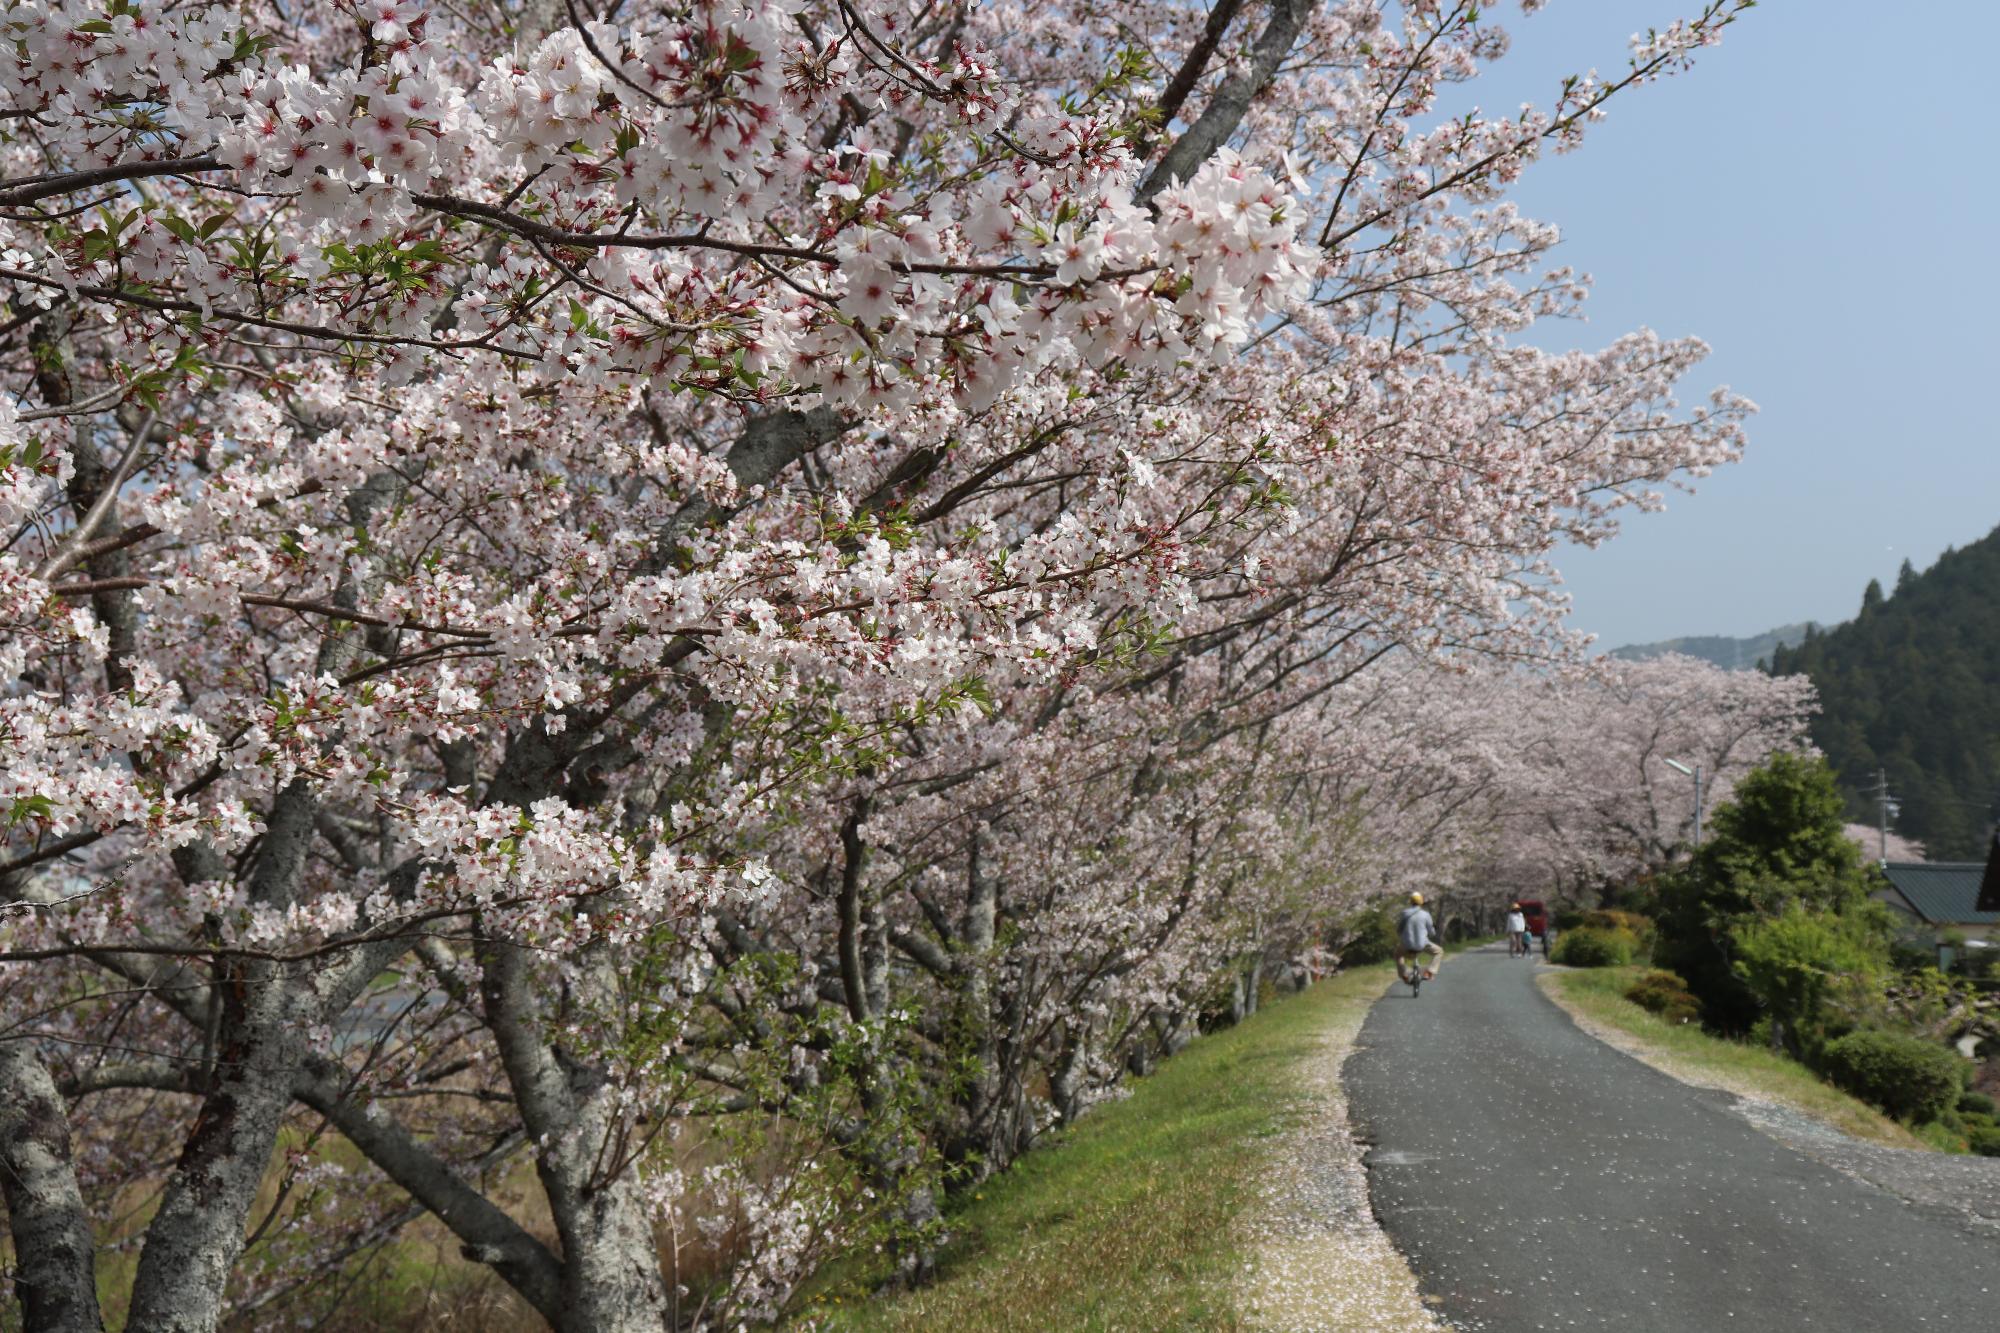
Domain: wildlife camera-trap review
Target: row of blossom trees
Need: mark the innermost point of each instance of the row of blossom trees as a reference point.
(685, 621)
(1587, 798)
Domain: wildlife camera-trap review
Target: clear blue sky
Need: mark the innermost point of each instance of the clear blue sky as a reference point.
(1817, 199)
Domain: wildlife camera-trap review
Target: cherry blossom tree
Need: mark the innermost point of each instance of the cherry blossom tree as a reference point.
(1890, 846)
(577, 572)
(1584, 796)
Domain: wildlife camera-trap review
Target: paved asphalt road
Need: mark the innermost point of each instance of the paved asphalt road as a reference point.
(1538, 1179)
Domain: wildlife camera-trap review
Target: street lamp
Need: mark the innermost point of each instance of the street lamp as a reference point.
(1694, 773)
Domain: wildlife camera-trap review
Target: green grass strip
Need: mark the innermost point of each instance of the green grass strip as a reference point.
(1127, 1220)
(1692, 1055)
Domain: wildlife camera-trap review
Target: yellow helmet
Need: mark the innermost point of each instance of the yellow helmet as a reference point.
(1417, 899)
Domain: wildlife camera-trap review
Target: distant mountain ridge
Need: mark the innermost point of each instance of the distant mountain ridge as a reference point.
(1727, 653)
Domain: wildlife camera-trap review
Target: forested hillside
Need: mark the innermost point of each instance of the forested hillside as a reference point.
(1912, 686)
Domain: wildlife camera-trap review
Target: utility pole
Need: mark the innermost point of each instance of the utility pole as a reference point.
(1694, 773)
(1885, 806)
(1697, 807)
(1882, 809)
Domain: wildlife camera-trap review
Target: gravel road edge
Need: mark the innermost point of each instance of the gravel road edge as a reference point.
(1320, 1263)
(1962, 1190)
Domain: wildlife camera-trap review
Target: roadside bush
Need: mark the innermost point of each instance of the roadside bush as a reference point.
(1588, 947)
(1981, 964)
(1665, 994)
(1781, 839)
(1976, 1103)
(1912, 953)
(1911, 1079)
(1813, 971)
(1985, 1142)
(1639, 927)
(1367, 936)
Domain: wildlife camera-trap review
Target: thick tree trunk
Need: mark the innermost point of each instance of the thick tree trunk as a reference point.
(985, 1132)
(195, 1239)
(1174, 1029)
(55, 1278)
(265, 1011)
(1066, 1079)
(611, 1267)
(853, 972)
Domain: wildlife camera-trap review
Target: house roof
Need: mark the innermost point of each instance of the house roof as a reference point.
(1942, 892)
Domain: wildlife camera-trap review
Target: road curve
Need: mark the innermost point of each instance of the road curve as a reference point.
(1538, 1179)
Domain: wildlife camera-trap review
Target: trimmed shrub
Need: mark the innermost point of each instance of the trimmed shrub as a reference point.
(1587, 947)
(1976, 1103)
(1665, 994)
(1639, 927)
(1985, 1142)
(1910, 1078)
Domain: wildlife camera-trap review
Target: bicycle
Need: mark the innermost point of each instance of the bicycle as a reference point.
(1415, 979)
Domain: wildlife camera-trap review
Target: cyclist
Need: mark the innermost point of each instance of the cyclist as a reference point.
(1414, 937)
(1517, 932)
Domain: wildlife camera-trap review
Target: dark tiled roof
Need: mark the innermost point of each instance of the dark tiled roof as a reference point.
(1943, 892)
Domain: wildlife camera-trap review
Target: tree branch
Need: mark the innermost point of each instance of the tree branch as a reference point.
(486, 1234)
(1225, 111)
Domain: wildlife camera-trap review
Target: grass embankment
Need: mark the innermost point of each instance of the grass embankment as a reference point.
(1128, 1220)
(1596, 998)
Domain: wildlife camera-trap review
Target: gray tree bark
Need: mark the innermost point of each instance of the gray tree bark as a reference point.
(1225, 111)
(611, 1268)
(263, 1011)
(197, 1236)
(55, 1272)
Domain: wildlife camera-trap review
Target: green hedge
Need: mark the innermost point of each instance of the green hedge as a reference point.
(1590, 947)
(1910, 1078)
